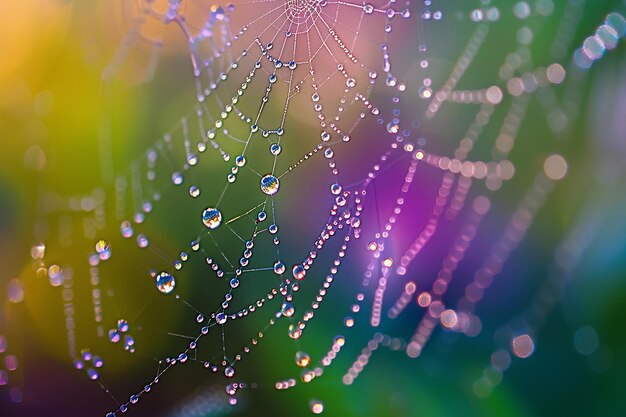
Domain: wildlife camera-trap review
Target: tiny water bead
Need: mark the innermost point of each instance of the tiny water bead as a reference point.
(302, 359)
(103, 249)
(92, 374)
(317, 407)
(275, 149)
(114, 336)
(212, 218)
(142, 241)
(220, 318)
(287, 309)
(55, 275)
(279, 268)
(522, 346)
(177, 178)
(129, 342)
(269, 184)
(86, 354)
(126, 228)
(15, 291)
(194, 191)
(298, 272)
(122, 325)
(294, 331)
(165, 282)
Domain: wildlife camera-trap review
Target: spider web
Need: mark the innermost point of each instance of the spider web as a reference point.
(314, 139)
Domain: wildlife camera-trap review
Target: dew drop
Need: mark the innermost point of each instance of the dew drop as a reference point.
(212, 218)
(269, 184)
(127, 229)
(194, 191)
(279, 268)
(165, 282)
(55, 275)
(103, 249)
(298, 272)
(287, 309)
(142, 241)
(220, 318)
(275, 149)
(302, 359)
(122, 325)
(317, 407)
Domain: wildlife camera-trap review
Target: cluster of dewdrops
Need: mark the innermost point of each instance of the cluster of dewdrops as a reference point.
(347, 205)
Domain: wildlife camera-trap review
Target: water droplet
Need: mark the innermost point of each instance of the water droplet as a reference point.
(127, 229)
(335, 189)
(303, 359)
(122, 325)
(269, 184)
(142, 241)
(279, 267)
(275, 149)
(392, 127)
(55, 275)
(317, 407)
(177, 178)
(38, 251)
(92, 374)
(128, 341)
(294, 331)
(194, 191)
(287, 309)
(86, 355)
(298, 272)
(114, 336)
(103, 249)
(212, 218)
(15, 290)
(165, 282)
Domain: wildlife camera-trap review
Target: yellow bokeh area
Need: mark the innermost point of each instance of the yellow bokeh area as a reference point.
(52, 53)
(30, 31)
